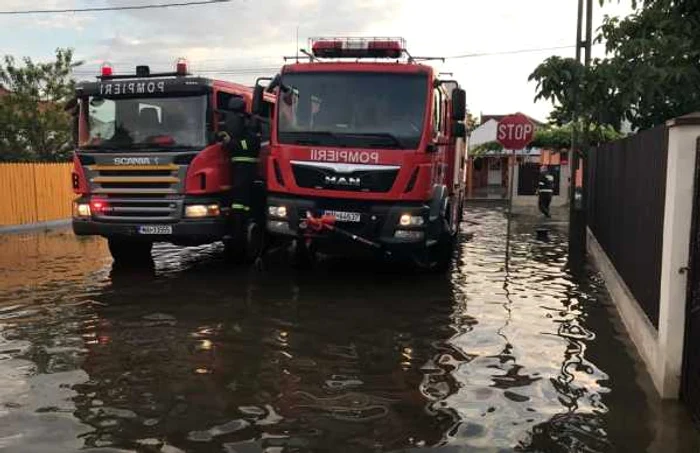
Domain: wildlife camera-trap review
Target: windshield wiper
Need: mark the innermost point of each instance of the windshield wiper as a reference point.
(311, 137)
(160, 146)
(385, 136)
(99, 147)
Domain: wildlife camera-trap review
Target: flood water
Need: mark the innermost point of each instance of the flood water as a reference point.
(196, 356)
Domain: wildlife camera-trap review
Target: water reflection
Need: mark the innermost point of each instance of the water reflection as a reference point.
(209, 357)
(188, 354)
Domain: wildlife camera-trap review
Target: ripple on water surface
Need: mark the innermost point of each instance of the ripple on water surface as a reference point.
(192, 355)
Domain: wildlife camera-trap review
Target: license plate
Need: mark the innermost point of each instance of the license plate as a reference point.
(155, 229)
(343, 216)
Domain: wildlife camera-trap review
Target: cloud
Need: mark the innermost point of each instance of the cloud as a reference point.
(242, 39)
(68, 21)
(237, 29)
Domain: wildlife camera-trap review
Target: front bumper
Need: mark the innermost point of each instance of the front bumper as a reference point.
(379, 222)
(189, 232)
(185, 231)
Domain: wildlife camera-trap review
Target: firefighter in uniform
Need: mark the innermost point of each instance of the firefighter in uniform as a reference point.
(242, 141)
(545, 190)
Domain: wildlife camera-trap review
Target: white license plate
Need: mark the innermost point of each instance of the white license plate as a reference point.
(155, 229)
(343, 216)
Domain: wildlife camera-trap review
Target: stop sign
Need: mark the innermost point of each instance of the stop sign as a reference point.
(515, 131)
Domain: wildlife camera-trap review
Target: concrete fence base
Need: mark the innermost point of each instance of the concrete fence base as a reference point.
(642, 332)
(27, 227)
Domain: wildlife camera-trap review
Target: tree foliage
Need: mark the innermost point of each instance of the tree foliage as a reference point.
(557, 138)
(651, 72)
(34, 125)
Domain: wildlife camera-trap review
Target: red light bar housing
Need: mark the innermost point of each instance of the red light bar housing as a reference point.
(106, 70)
(181, 67)
(358, 47)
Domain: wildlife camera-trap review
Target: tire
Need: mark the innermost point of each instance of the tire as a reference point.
(125, 251)
(246, 246)
(236, 250)
(460, 214)
(443, 251)
(302, 256)
(256, 237)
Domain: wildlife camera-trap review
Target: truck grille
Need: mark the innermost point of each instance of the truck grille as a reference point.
(374, 180)
(140, 209)
(138, 193)
(137, 179)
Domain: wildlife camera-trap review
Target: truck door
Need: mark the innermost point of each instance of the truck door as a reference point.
(441, 138)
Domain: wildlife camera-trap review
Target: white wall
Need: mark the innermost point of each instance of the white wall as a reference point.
(483, 134)
(531, 200)
(680, 181)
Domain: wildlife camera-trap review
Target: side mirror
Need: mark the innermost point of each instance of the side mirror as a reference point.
(75, 129)
(71, 106)
(459, 104)
(236, 105)
(258, 93)
(459, 130)
(431, 148)
(274, 83)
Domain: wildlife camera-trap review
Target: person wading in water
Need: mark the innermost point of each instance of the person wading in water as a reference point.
(545, 189)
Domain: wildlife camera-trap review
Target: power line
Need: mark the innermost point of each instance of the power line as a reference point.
(232, 70)
(510, 52)
(114, 8)
(255, 70)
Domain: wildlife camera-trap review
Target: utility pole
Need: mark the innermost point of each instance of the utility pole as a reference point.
(579, 144)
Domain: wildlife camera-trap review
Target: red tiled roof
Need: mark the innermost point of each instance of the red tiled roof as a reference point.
(485, 118)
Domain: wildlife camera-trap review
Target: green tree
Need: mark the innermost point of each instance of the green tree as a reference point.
(557, 138)
(651, 72)
(34, 125)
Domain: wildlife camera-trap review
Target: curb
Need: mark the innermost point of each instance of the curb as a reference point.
(29, 227)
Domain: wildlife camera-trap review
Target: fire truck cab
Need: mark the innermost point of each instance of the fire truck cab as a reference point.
(149, 165)
(367, 151)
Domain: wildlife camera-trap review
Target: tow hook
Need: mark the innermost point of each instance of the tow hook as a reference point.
(327, 223)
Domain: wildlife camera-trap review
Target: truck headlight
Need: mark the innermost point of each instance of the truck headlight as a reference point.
(202, 210)
(81, 210)
(277, 211)
(411, 220)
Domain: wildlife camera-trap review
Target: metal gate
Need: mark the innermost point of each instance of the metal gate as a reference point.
(690, 385)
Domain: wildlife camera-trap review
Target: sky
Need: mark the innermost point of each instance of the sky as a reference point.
(242, 39)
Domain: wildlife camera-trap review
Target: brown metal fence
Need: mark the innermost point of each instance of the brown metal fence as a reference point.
(35, 192)
(627, 189)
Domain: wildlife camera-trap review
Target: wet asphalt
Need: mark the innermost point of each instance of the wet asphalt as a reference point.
(194, 355)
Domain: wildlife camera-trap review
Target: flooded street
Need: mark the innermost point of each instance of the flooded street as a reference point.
(196, 356)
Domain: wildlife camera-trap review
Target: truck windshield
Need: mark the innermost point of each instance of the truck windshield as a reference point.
(145, 122)
(373, 110)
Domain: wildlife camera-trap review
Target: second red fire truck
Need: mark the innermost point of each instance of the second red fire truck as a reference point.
(367, 150)
(149, 165)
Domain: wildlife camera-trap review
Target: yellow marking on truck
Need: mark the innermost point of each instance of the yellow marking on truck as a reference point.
(132, 167)
(131, 179)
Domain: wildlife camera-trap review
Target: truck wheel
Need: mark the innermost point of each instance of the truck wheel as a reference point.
(247, 245)
(236, 250)
(257, 239)
(302, 256)
(443, 251)
(460, 214)
(125, 251)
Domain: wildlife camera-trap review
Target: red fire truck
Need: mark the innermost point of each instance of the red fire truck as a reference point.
(149, 165)
(367, 151)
